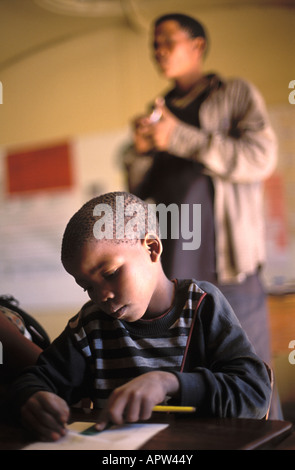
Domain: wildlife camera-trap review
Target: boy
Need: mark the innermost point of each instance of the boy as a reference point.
(142, 339)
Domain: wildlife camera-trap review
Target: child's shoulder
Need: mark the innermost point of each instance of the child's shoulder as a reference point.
(215, 301)
(88, 312)
(202, 287)
(195, 291)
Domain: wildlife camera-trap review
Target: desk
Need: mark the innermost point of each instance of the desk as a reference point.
(183, 433)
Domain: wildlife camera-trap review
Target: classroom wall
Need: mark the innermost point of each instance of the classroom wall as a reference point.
(93, 84)
(99, 80)
(88, 88)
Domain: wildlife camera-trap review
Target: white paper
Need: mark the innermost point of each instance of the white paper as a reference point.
(126, 437)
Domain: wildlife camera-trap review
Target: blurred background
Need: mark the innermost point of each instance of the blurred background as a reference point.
(73, 74)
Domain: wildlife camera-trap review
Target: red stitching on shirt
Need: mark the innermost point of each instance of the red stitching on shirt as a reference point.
(191, 332)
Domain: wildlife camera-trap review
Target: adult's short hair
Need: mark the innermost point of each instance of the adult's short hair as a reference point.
(193, 27)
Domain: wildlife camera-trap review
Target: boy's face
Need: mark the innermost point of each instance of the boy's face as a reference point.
(120, 278)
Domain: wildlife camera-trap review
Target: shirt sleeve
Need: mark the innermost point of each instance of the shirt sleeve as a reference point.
(61, 369)
(225, 378)
(235, 140)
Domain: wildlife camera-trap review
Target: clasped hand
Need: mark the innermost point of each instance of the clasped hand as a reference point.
(47, 414)
(149, 136)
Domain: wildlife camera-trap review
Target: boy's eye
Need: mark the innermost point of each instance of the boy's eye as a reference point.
(111, 274)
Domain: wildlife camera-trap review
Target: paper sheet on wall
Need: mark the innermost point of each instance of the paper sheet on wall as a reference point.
(127, 437)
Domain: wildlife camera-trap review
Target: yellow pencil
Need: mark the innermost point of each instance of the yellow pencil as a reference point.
(174, 409)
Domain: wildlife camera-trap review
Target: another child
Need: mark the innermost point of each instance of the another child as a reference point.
(142, 339)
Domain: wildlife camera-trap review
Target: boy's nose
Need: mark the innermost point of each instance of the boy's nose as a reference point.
(106, 295)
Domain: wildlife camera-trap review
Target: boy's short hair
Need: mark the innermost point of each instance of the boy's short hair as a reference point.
(112, 212)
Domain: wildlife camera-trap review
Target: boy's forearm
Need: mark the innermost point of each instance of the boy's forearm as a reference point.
(170, 383)
(225, 394)
(23, 388)
(59, 370)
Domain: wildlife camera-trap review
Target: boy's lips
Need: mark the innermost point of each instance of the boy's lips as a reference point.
(117, 312)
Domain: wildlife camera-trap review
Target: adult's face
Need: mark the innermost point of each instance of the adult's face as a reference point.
(177, 54)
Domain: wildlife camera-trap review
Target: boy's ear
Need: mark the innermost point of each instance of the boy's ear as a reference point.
(154, 246)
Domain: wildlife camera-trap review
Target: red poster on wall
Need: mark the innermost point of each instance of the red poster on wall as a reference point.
(39, 169)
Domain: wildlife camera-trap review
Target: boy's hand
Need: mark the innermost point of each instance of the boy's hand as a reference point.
(46, 414)
(135, 400)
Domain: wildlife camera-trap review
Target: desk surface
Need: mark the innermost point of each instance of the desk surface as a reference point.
(185, 433)
(219, 434)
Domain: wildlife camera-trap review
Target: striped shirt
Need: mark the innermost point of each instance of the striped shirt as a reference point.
(117, 351)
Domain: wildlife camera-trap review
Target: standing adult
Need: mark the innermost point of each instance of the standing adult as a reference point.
(208, 142)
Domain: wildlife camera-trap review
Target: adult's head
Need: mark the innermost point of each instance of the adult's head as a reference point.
(180, 42)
